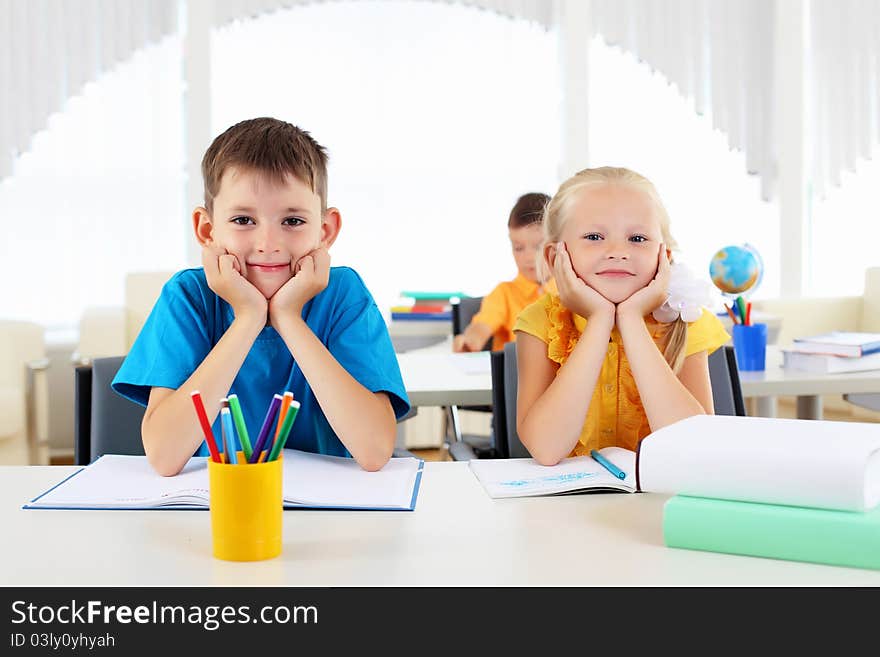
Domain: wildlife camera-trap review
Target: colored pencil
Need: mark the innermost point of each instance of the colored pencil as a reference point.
(730, 312)
(285, 404)
(285, 431)
(229, 434)
(241, 428)
(264, 430)
(206, 426)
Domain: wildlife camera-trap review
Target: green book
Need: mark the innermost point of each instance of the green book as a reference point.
(839, 538)
(432, 296)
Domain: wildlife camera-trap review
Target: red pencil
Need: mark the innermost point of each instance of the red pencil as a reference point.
(749, 313)
(206, 426)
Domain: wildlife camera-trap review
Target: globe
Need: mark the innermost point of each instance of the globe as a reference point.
(736, 270)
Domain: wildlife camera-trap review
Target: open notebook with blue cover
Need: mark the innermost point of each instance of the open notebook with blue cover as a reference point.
(310, 481)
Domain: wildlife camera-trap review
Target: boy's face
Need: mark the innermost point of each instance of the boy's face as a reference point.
(266, 225)
(526, 243)
(612, 237)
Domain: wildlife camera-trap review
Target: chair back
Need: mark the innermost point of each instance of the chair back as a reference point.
(105, 422)
(462, 314)
(515, 448)
(726, 389)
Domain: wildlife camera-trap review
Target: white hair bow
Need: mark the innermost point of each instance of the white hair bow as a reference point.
(687, 296)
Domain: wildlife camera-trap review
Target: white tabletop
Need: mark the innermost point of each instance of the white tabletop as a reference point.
(775, 380)
(434, 376)
(456, 536)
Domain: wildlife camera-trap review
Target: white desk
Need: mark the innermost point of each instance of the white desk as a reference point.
(432, 378)
(456, 536)
(808, 387)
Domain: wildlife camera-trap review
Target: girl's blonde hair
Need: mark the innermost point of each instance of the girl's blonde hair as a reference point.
(558, 211)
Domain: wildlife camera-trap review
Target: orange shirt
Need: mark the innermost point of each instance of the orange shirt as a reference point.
(502, 305)
(616, 416)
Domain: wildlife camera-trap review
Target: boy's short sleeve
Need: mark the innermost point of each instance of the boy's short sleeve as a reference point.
(535, 320)
(360, 342)
(172, 343)
(705, 334)
(493, 309)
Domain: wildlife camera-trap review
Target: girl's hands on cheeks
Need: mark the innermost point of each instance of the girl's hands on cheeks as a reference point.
(311, 273)
(653, 295)
(576, 295)
(225, 278)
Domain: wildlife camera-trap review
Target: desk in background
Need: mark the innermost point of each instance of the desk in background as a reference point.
(431, 378)
(529, 541)
(808, 387)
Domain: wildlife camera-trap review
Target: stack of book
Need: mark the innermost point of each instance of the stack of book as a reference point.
(424, 306)
(838, 351)
(802, 490)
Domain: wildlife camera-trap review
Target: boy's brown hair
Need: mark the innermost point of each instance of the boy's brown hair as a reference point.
(528, 210)
(269, 146)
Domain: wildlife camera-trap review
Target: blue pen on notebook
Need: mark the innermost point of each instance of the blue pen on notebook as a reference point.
(608, 465)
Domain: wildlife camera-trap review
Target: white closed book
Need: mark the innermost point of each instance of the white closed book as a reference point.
(810, 463)
(825, 364)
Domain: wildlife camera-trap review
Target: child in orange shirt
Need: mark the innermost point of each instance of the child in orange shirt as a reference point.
(501, 306)
(622, 349)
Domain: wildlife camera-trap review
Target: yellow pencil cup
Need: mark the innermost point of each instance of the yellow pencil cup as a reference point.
(246, 509)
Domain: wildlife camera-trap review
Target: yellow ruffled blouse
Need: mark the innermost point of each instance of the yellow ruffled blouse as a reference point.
(616, 416)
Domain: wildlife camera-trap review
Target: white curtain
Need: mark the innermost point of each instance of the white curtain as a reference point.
(717, 52)
(845, 90)
(49, 50)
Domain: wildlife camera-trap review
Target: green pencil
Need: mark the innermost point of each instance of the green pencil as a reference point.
(235, 407)
(285, 431)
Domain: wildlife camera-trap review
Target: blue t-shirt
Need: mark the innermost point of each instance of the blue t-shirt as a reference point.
(189, 319)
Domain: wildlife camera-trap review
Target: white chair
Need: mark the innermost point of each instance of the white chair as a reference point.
(24, 398)
(110, 331)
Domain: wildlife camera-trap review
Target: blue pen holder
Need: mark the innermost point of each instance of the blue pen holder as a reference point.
(750, 346)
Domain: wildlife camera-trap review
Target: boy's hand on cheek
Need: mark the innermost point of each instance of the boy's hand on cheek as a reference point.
(311, 274)
(226, 279)
(653, 295)
(576, 295)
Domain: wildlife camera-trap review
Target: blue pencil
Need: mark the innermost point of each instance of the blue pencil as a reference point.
(229, 430)
(608, 465)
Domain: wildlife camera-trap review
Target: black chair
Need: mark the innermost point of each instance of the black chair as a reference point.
(462, 313)
(726, 389)
(107, 423)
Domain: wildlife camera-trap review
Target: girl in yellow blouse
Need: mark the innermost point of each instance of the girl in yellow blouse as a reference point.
(617, 353)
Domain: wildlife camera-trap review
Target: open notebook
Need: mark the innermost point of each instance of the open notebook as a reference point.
(310, 481)
(579, 474)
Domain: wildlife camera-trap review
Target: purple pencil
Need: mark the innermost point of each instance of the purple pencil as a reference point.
(264, 430)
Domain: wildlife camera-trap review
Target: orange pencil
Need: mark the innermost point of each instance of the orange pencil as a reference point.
(749, 313)
(732, 316)
(285, 404)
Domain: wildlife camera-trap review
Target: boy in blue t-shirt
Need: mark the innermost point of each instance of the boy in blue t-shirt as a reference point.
(266, 313)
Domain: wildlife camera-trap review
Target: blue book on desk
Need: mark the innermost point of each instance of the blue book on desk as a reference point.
(309, 481)
(421, 317)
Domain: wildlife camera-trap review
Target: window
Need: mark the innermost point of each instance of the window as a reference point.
(436, 118)
(98, 195)
(640, 121)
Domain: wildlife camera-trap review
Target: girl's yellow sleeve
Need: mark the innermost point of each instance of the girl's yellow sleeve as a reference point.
(534, 319)
(705, 334)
